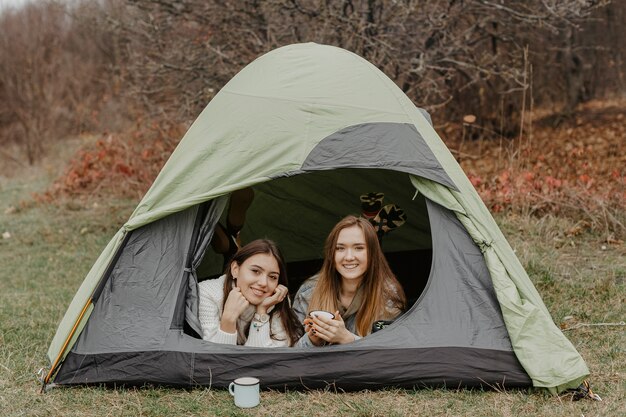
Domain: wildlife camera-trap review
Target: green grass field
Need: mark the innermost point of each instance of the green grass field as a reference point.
(51, 248)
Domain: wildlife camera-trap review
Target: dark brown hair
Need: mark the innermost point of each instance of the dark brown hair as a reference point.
(290, 322)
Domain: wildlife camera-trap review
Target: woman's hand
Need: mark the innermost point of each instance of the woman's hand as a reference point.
(279, 295)
(308, 328)
(331, 330)
(235, 304)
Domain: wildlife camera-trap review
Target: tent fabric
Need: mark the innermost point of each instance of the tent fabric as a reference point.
(137, 304)
(346, 370)
(303, 122)
(397, 146)
(202, 240)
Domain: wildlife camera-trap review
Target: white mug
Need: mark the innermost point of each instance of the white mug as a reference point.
(246, 392)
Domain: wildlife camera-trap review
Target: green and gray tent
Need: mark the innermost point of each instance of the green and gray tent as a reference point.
(311, 128)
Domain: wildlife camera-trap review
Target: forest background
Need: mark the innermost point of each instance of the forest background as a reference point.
(530, 96)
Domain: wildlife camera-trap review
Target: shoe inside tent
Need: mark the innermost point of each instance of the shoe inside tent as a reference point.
(310, 128)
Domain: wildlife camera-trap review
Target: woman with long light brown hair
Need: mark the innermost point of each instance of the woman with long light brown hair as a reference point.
(355, 283)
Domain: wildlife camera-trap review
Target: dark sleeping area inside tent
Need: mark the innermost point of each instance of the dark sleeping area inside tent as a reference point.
(298, 213)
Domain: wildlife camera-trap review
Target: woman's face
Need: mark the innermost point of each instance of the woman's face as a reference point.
(257, 277)
(351, 253)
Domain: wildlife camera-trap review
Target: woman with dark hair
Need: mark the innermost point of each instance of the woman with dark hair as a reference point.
(249, 304)
(355, 283)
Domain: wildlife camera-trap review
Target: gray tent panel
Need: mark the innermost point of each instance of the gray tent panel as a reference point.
(395, 146)
(137, 303)
(459, 306)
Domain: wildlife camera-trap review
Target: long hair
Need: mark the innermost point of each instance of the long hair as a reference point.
(287, 316)
(380, 286)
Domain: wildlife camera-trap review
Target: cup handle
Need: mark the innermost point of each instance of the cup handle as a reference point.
(231, 389)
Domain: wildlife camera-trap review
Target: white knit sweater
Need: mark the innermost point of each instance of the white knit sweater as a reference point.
(211, 299)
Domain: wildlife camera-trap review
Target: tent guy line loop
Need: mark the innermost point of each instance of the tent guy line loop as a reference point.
(580, 325)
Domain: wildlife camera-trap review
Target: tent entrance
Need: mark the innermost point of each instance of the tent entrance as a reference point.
(298, 212)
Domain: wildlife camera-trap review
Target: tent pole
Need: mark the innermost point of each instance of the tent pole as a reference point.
(69, 337)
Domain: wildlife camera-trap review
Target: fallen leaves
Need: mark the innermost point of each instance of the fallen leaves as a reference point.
(576, 170)
(123, 164)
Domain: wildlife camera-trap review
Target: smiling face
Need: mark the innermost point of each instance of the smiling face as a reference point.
(351, 253)
(257, 277)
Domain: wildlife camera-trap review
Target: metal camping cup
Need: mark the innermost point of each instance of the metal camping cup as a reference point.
(246, 392)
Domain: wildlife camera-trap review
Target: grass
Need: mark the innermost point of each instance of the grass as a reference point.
(51, 248)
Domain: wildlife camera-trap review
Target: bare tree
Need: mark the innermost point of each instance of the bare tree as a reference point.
(55, 72)
(168, 58)
(450, 56)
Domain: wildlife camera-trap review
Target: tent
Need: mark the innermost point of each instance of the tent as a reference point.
(310, 128)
